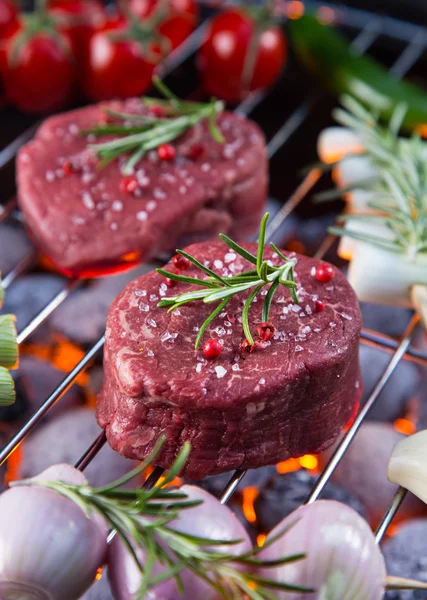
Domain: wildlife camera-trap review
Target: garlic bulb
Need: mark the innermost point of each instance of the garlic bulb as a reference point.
(385, 277)
(210, 520)
(342, 561)
(336, 142)
(348, 244)
(407, 466)
(49, 549)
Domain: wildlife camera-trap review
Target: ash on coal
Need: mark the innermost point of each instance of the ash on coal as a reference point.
(82, 317)
(285, 493)
(406, 556)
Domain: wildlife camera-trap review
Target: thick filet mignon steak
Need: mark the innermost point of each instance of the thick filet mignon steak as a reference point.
(241, 410)
(84, 222)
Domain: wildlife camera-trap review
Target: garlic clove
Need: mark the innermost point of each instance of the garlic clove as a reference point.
(336, 142)
(49, 548)
(419, 300)
(384, 277)
(353, 170)
(407, 466)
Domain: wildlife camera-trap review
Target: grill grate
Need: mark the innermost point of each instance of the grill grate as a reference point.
(368, 28)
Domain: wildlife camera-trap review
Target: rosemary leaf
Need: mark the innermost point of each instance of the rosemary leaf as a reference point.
(227, 292)
(237, 248)
(184, 279)
(209, 320)
(261, 242)
(268, 300)
(202, 267)
(245, 314)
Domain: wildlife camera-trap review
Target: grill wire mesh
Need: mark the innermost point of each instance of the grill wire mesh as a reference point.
(368, 28)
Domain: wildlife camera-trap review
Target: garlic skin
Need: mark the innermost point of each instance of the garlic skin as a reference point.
(336, 142)
(49, 549)
(353, 171)
(211, 520)
(348, 245)
(384, 277)
(407, 466)
(342, 561)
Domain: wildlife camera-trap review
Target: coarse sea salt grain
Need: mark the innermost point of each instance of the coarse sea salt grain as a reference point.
(117, 206)
(229, 257)
(306, 330)
(345, 316)
(141, 215)
(182, 189)
(206, 167)
(195, 329)
(317, 330)
(140, 292)
(298, 348)
(218, 264)
(199, 367)
(151, 322)
(150, 353)
(88, 201)
(151, 205)
(332, 324)
(313, 271)
(153, 297)
(50, 176)
(159, 194)
(235, 367)
(114, 226)
(220, 331)
(143, 307)
(220, 372)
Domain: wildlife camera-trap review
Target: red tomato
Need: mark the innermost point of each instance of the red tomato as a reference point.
(79, 19)
(177, 24)
(8, 16)
(223, 54)
(117, 68)
(39, 75)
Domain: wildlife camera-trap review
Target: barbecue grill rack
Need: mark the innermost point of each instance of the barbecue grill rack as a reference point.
(366, 29)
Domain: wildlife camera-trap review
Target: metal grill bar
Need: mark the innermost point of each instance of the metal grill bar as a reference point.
(26, 263)
(390, 513)
(345, 443)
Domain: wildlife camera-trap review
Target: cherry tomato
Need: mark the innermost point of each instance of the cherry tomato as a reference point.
(8, 16)
(223, 55)
(118, 68)
(79, 19)
(39, 74)
(179, 22)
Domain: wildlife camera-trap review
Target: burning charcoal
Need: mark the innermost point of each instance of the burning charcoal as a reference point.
(82, 317)
(64, 440)
(100, 590)
(14, 245)
(390, 320)
(215, 484)
(406, 556)
(403, 384)
(38, 379)
(285, 493)
(28, 295)
(363, 472)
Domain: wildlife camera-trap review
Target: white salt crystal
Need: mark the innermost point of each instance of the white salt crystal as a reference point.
(50, 176)
(306, 330)
(218, 264)
(298, 348)
(141, 215)
(229, 257)
(143, 307)
(332, 324)
(220, 372)
(345, 316)
(140, 293)
(220, 331)
(150, 353)
(152, 322)
(153, 297)
(235, 367)
(159, 194)
(117, 206)
(151, 205)
(199, 367)
(313, 271)
(87, 201)
(262, 381)
(206, 167)
(114, 226)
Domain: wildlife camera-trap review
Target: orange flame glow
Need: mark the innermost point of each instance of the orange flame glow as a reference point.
(250, 494)
(261, 539)
(405, 426)
(295, 9)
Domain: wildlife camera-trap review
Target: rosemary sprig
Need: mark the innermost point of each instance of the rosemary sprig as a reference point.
(399, 191)
(141, 133)
(222, 289)
(142, 519)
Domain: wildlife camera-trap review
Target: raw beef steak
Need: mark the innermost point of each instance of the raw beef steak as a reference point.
(85, 223)
(241, 410)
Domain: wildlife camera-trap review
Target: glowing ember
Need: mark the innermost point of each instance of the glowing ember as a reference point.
(295, 9)
(404, 426)
(309, 462)
(261, 539)
(250, 494)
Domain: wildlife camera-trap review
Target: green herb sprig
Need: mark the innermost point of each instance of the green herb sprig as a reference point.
(399, 190)
(146, 132)
(222, 289)
(142, 519)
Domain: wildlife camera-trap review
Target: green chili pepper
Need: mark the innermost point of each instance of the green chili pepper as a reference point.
(328, 55)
